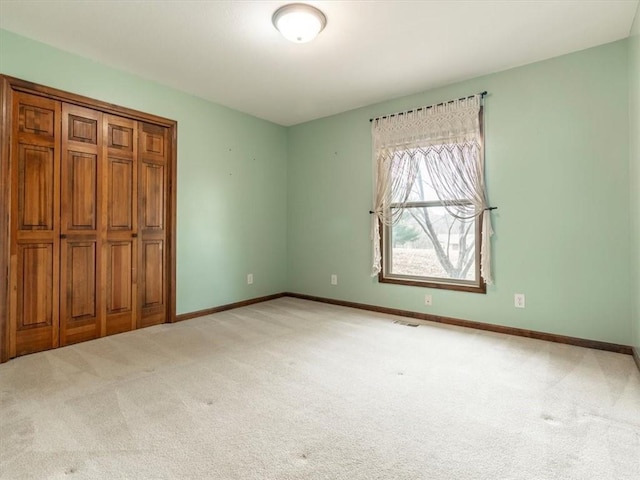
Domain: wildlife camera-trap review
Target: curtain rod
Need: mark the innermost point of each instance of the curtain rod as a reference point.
(482, 94)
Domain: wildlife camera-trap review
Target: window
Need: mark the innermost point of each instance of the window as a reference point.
(427, 245)
(432, 222)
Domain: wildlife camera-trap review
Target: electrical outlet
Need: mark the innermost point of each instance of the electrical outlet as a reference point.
(249, 278)
(334, 279)
(428, 300)
(518, 300)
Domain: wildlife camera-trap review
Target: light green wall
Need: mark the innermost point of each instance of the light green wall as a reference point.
(290, 205)
(634, 157)
(231, 175)
(557, 163)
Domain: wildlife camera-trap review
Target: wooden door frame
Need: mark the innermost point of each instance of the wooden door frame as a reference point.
(5, 212)
(8, 85)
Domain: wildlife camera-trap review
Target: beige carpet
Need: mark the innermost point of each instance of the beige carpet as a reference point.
(291, 389)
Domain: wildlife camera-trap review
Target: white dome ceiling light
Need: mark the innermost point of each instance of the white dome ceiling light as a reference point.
(299, 22)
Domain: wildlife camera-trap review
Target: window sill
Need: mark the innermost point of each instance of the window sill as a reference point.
(482, 288)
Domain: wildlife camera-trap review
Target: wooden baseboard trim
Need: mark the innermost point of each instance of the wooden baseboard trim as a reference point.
(520, 332)
(229, 306)
(550, 337)
(636, 356)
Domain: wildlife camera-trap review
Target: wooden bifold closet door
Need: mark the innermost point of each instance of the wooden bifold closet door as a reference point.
(81, 225)
(91, 230)
(35, 225)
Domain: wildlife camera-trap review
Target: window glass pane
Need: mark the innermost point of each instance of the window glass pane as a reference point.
(422, 188)
(406, 172)
(407, 163)
(429, 242)
(414, 162)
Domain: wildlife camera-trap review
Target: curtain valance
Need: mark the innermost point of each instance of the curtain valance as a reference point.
(454, 122)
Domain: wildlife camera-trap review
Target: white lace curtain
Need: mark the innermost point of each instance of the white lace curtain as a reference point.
(445, 140)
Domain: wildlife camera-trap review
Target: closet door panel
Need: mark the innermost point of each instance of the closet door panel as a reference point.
(79, 305)
(153, 142)
(36, 187)
(154, 146)
(36, 297)
(121, 309)
(35, 302)
(35, 228)
(153, 196)
(119, 278)
(82, 281)
(121, 244)
(81, 190)
(121, 134)
(81, 298)
(80, 264)
(37, 116)
(121, 202)
(152, 287)
(152, 280)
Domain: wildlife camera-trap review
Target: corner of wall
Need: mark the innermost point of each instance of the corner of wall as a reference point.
(287, 236)
(634, 171)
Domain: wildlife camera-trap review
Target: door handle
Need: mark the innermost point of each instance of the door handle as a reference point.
(63, 236)
(134, 235)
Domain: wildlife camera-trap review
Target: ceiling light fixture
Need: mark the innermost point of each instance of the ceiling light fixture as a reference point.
(299, 22)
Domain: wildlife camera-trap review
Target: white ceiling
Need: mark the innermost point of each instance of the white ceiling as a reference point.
(229, 52)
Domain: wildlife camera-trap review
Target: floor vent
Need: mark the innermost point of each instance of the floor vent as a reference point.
(400, 322)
